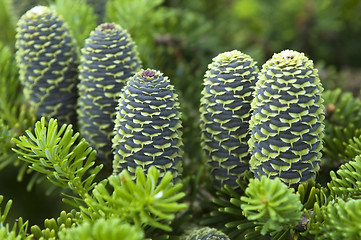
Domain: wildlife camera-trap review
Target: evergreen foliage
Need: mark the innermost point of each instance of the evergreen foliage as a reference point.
(226, 214)
(9, 104)
(337, 205)
(79, 17)
(108, 59)
(5, 135)
(149, 201)
(225, 114)
(7, 24)
(53, 226)
(19, 229)
(145, 197)
(12, 110)
(287, 119)
(341, 220)
(134, 16)
(342, 123)
(346, 182)
(15, 116)
(110, 229)
(58, 153)
(47, 58)
(271, 204)
(148, 125)
(353, 147)
(69, 163)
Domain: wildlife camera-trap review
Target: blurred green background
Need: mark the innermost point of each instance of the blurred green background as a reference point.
(180, 38)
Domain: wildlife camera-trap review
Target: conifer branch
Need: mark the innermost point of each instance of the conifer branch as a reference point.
(150, 200)
(66, 161)
(19, 229)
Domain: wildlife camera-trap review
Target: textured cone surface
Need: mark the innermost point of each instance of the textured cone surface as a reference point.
(225, 114)
(47, 61)
(148, 125)
(287, 119)
(207, 233)
(108, 59)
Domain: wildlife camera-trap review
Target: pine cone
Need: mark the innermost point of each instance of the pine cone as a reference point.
(108, 59)
(287, 120)
(206, 233)
(225, 113)
(148, 125)
(46, 58)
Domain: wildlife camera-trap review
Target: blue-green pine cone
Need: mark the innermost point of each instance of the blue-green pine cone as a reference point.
(47, 62)
(206, 233)
(148, 125)
(108, 59)
(225, 114)
(287, 119)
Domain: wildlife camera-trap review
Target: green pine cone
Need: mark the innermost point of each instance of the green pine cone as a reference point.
(287, 119)
(148, 125)
(206, 233)
(225, 113)
(46, 58)
(108, 59)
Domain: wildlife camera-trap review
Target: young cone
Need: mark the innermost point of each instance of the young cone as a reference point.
(46, 58)
(225, 113)
(148, 125)
(206, 233)
(287, 120)
(108, 59)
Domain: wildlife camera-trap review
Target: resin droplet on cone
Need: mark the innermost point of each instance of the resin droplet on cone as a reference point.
(287, 120)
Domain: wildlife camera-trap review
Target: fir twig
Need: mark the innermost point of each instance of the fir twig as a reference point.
(150, 200)
(57, 153)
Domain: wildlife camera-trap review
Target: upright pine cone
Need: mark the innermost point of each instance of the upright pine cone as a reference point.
(287, 120)
(46, 58)
(108, 59)
(148, 125)
(206, 233)
(225, 113)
